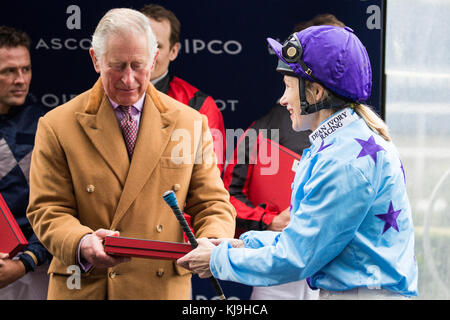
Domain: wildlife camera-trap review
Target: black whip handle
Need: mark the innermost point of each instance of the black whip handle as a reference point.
(171, 200)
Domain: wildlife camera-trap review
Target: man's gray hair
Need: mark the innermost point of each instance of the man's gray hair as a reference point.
(118, 21)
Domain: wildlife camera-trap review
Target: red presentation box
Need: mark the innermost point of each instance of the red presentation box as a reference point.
(12, 240)
(149, 249)
(273, 188)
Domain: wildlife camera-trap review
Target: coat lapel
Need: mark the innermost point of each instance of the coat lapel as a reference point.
(156, 126)
(100, 124)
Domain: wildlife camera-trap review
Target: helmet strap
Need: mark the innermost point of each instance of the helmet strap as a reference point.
(332, 102)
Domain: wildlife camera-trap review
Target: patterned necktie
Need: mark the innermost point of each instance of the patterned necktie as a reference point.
(129, 129)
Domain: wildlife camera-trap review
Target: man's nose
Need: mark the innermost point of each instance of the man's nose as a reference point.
(128, 77)
(20, 77)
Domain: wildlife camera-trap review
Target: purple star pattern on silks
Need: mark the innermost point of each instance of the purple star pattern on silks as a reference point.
(369, 147)
(323, 146)
(403, 170)
(390, 218)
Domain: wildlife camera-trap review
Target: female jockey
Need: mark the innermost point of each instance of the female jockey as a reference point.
(351, 230)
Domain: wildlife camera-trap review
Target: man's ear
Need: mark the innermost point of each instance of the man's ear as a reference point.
(95, 62)
(154, 61)
(173, 53)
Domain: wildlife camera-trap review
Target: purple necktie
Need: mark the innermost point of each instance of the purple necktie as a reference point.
(129, 129)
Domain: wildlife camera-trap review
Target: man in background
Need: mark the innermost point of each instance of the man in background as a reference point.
(166, 28)
(24, 276)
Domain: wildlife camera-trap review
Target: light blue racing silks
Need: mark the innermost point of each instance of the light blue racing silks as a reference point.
(351, 223)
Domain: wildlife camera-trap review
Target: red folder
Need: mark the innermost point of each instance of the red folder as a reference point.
(150, 249)
(272, 177)
(12, 240)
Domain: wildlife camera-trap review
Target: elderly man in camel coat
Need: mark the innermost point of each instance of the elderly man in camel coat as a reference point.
(100, 169)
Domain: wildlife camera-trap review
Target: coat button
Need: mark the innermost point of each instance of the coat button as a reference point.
(90, 188)
(112, 274)
(176, 187)
(160, 272)
(159, 228)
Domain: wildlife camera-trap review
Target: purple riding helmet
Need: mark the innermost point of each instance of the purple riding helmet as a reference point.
(330, 55)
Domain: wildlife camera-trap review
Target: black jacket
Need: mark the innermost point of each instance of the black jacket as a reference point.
(17, 133)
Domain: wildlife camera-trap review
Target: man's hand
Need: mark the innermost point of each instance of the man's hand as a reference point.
(198, 259)
(235, 243)
(280, 221)
(10, 270)
(91, 249)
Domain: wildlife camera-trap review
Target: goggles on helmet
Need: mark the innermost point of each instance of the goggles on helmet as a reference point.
(292, 52)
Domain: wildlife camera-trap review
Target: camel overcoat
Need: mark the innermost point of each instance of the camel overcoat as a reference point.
(81, 179)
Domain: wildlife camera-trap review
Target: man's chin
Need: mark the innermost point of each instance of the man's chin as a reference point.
(127, 100)
(17, 101)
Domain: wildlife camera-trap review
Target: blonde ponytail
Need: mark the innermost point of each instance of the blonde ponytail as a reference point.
(375, 123)
(372, 120)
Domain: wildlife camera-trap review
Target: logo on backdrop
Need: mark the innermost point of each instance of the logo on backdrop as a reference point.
(51, 100)
(227, 105)
(59, 44)
(194, 46)
(188, 46)
(73, 22)
(374, 20)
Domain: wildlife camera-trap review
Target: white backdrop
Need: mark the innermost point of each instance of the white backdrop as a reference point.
(418, 113)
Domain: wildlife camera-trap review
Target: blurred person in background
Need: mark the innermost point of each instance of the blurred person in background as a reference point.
(25, 276)
(166, 27)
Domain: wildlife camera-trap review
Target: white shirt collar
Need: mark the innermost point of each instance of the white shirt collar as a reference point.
(139, 105)
(155, 81)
